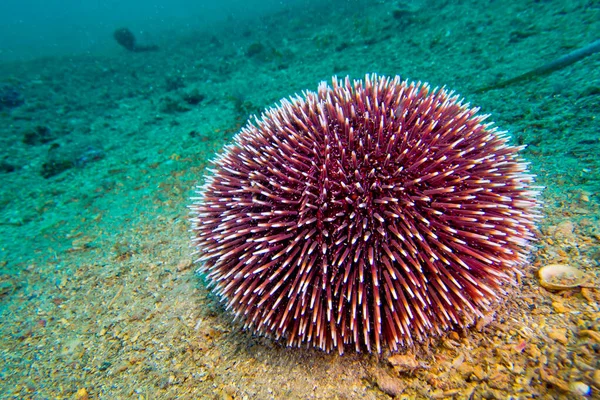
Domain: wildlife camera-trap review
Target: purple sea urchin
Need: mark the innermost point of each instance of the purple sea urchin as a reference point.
(372, 213)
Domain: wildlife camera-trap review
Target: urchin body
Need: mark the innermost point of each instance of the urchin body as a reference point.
(369, 214)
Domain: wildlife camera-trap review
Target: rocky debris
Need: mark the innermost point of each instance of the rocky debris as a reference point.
(10, 97)
(63, 158)
(38, 135)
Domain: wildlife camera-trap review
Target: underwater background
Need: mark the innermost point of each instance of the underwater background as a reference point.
(110, 112)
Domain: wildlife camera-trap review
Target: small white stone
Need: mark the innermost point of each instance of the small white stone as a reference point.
(579, 388)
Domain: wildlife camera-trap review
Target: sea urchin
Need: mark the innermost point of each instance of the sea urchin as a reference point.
(372, 213)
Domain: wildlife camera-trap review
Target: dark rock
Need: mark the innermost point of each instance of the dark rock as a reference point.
(174, 83)
(389, 384)
(38, 135)
(255, 49)
(10, 97)
(126, 38)
(170, 105)
(54, 167)
(342, 46)
(194, 97)
(214, 41)
(6, 167)
(77, 155)
(104, 366)
(88, 155)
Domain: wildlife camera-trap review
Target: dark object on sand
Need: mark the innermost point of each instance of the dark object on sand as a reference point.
(54, 167)
(125, 38)
(545, 69)
(76, 155)
(39, 135)
(7, 167)
(10, 97)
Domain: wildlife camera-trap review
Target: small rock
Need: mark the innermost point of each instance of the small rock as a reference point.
(478, 373)
(465, 370)
(82, 394)
(564, 230)
(174, 83)
(588, 295)
(6, 287)
(6, 166)
(171, 105)
(184, 265)
(533, 351)
(388, 384)
(10, 97)
(579, 388)
(55, 167)
(519, 347)
(404, 362)
(559, 334)
(255, 49)
(487, 319)
(591, 334)
(596, 377)
(559, 307)
(193, 98)
(550, 378)
(38, 135)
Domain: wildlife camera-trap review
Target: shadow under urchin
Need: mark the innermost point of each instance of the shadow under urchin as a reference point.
(371, 214)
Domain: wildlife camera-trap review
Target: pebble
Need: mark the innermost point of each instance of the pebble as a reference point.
(588, 295)
(479, 373)
(388, 384)
(564, 230)
(533, 351)
(560, 335)
(184, 265)
(591, 334)
(559, 307)
(82, 394)
(554, 381)
(579, 388)
(404, 362)
(596, 377)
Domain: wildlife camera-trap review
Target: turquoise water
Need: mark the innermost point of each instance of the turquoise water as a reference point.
(101, 147)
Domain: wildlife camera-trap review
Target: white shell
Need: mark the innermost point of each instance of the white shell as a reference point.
(579, 388)
(560, 277)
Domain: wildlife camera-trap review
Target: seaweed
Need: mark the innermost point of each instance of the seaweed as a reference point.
(548, 68)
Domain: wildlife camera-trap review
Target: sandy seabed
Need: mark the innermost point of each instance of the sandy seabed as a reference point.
(98, 294)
